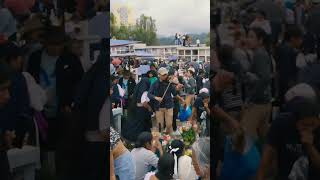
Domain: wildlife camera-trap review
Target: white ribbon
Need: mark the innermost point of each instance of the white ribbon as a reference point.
(175, 159)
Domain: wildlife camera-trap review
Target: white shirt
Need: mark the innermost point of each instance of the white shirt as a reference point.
(186, 170)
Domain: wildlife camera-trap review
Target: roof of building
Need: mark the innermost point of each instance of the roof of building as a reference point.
(137, 54)
(114, 42)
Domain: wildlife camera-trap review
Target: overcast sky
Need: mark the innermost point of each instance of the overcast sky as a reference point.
(183, 16)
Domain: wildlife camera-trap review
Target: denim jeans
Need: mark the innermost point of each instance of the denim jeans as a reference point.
(124, 167)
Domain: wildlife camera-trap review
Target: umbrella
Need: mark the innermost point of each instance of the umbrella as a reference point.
(116, 61)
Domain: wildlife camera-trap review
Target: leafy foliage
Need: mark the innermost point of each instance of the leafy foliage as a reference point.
(144, 30)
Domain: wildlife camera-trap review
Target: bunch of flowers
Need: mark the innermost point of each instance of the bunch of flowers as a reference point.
(166, 140)
(188, 133)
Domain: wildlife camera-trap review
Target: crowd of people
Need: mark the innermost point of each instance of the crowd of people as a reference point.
(258, 98)
(48, 99)
(266, 121)
(184, 40)
(157, 103)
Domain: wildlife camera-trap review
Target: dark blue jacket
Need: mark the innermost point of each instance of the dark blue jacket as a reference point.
(17, 111)
(158, 89)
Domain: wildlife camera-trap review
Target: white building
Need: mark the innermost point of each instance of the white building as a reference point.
(201, 53)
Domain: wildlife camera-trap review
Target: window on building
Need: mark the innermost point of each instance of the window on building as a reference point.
(174, 51)
(202, 52)
(188, 52)
(195, 52)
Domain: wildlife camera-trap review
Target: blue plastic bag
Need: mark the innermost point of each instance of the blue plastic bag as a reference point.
(185, 113)
(240, 166)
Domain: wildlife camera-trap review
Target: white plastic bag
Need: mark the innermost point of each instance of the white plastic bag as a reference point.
(38, 97)
(144, 97)
(121, 91)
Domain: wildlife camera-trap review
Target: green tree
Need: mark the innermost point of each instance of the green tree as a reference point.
(146, 30)
(113, 26)
(208, 39)
(122, 32)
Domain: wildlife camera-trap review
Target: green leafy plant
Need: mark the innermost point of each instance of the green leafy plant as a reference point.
(188, 136)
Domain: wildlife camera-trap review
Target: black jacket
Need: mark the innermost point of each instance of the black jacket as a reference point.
(69, 72)
(91, 95)
(131, 85)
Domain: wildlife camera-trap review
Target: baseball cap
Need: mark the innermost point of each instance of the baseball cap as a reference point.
(192, 69)
(301, 90)
(163, 71)
(204, 90)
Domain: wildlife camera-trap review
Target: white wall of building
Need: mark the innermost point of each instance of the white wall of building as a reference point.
(201, 53)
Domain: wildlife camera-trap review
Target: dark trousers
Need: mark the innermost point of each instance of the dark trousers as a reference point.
(175, 117)
(53, 133)
(4, 166)
(95, 164)
(69, 147)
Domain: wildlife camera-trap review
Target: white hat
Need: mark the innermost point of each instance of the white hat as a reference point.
(192, 69)
(300, 90)
(163, 71)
